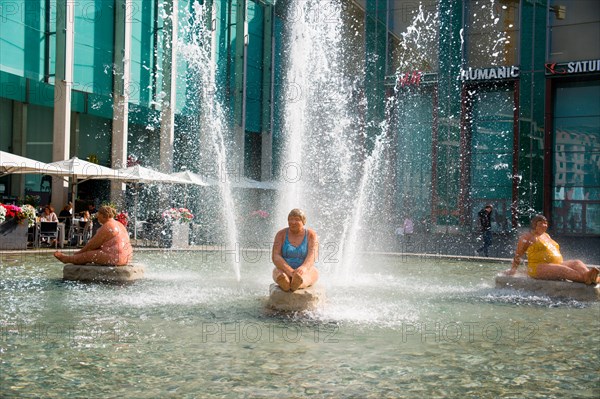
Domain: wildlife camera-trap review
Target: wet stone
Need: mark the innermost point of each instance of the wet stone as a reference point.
(553, 289)
(109, 274)
(309, 298)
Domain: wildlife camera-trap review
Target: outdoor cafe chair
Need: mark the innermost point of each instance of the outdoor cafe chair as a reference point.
(82, 232)
(48, 230)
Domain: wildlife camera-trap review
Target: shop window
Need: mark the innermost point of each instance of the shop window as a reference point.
(492, 32)
(492, 155)
(576, 202)
(574, 30)
(413, 39)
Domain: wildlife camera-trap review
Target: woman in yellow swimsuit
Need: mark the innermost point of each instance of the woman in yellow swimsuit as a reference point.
(545, 261)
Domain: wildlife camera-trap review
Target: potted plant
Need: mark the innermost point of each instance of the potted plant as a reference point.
(178, 222)
(14, 223)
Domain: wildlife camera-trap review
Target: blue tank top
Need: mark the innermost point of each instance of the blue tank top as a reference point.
(294, 256)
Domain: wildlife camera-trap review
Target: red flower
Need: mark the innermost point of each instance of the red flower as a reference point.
(123, 218)
(12, 211)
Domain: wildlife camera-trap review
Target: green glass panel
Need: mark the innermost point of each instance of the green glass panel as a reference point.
(12, 86)
(41, 93)
(492, 154)
(100, 105)
(77, 101)
(415, 116)
(22, 38)
(6, 128)
(142, 65)
(576, 158)
(94, 138)
(93, 46)
(254, 64)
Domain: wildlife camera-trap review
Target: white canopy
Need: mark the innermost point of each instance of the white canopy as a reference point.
(80, 169)
(11, 163)
(255, 184)
(244, 182)
(194, 178)
(140, 174)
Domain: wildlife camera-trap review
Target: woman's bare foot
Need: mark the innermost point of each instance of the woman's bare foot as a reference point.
(592, 277)
(60, 256)
(296, 282)
(284, 282)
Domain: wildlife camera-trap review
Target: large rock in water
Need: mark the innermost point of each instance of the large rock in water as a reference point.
(554, 289)
(109, 274)
(309, 298)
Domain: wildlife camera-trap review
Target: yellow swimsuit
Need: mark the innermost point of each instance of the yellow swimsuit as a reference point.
(544, 250)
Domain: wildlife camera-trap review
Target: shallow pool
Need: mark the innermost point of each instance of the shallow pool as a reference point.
(398, 327)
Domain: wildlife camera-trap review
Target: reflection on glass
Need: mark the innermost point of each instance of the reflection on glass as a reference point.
(576, 192)
(492, 32)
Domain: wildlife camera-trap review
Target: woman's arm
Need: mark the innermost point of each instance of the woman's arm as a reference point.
(522, 245)
(313, 252)
(276, 256)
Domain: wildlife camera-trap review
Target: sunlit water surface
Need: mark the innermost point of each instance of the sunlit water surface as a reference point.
(402, 327)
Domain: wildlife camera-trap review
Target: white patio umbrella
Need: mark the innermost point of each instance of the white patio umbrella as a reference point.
(138, 174)
(81, 170)
(16, 164)
(77, 169)
(246, 182)
(194, 178)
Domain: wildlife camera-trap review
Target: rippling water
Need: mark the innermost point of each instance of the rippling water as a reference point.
(402, 327)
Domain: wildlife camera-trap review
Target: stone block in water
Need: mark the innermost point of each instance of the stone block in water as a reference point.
(551, 288)
(309, 298)
(108, 274)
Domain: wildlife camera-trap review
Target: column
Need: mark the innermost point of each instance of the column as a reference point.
(241, 48)
(168, 101)
(267, 96)
(121, 84)
(19, 144)
(65, 21)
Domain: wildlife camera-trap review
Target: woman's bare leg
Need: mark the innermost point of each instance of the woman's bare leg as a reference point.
(281, 279)
(564, 272)
(97, 257)
(306, 280)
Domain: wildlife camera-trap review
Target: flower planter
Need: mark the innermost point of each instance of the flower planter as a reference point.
(14, 237)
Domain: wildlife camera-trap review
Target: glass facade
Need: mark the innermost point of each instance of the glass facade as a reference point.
(492, 155)
(576, 191)
(415, 118)
(492, 32)
(572, 21)
(456, 139)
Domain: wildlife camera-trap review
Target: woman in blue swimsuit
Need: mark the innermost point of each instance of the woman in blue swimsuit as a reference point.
(295, 250)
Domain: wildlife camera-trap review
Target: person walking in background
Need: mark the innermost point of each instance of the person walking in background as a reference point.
(485, 222)
(409, 228)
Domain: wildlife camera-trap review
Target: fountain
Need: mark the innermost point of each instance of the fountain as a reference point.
(325, 138)
(215, 155)
(396, 326)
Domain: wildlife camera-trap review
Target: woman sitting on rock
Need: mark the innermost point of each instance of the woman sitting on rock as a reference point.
(110, 246)
(544, 260)
(295, 250)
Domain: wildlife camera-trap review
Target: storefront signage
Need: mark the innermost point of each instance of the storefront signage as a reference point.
(410, 79)
(508, 72)
(573, 67)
